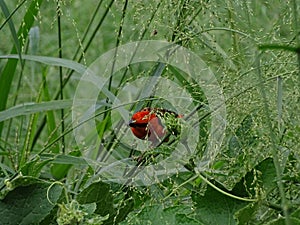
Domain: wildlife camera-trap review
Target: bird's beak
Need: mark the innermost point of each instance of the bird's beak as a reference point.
(131, 123)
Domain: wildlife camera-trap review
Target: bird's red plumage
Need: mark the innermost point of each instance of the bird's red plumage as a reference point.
(145, 124)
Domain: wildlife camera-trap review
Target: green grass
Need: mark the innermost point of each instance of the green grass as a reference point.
(252, 47)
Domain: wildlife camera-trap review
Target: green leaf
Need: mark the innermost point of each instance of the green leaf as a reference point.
(34, 167)
(209, 41)
(268, 174)
(243, 138)
(59, 171)
(100, 194)
(296, 213)
(65, 159)
(190, 85)
(16, 181)
(51, 124)
(216, 208)
(294, 219)
(124, 210)
(261, 177)
(281, 47)
(8, 72)
(51, 61)
(11, 27)
(244, 215)
(281, 221)
(31, 108)
(28, 204)
(29, 139)
(156, 214)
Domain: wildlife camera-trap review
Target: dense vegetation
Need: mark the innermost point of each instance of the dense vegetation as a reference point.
(67, 153)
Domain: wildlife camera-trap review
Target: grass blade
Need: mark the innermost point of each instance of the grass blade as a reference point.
(12, 28)
(8, 72)
(31, 108)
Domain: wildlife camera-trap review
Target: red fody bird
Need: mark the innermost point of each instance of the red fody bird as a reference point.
(147, 124)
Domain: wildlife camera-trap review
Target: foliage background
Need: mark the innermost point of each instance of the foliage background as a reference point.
(251, 46)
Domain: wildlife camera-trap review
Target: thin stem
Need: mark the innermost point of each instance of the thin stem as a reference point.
(88, 28)
(68, 76)
(203, 177)
(274, 148)
(60, 55)
(12, 13)
(297, 33)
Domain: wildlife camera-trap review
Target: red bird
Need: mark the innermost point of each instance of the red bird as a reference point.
(147, 124)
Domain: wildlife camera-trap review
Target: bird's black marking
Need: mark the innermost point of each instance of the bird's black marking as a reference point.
(133, 124)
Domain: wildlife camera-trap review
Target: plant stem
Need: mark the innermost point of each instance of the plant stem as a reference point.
(60, 76)
(274, 148)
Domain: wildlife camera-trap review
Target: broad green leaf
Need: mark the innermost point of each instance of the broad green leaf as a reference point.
(100, 194)
(156, 214)
(16, 181)
(124, 210)
(261, 177)
(268, 174)
(28, 204)
(246, 214)
(216, 208)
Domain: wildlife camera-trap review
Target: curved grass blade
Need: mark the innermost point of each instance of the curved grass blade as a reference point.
(31, 108)
(12, 28)
(8, 72)
(51, 61)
